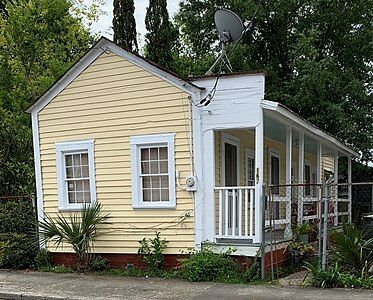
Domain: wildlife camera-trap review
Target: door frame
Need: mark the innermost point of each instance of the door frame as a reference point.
(232, 140)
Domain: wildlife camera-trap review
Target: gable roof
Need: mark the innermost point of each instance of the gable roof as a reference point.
(101, 46)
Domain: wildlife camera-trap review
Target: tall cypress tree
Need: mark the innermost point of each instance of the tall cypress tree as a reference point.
(124, 24)
(161, 36)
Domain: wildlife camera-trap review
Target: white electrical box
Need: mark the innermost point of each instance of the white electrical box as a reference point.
(191, 184)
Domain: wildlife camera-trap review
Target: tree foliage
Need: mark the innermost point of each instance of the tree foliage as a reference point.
(39, 40)
(318, 56)
(162, 36)
(124, 24)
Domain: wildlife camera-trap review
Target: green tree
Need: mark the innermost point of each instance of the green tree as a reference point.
(124, 24)
(162, 36)
(39, 41)
(318, 56)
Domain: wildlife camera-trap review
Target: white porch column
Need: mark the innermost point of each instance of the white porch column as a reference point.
(289, 133)
(349, 178)
(301, 177)
(198, 172)
(259, 164)
(209, 178)
(318, 164)
(335, 193)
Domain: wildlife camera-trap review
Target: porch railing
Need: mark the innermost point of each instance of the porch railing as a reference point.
(235, 212)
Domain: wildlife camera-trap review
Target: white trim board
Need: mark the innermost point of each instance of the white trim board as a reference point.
(94, 52)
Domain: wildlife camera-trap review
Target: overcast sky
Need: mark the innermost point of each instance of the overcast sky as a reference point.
(104, 25)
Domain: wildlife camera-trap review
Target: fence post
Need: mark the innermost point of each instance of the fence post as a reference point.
(263, 242)
(324, 233)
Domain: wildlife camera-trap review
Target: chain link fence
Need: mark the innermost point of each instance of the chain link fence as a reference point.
(301, 217)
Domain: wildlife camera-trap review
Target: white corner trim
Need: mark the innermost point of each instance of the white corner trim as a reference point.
(100, 47)
(38, 175)
(136, 142)
(299, 123)
(71, 147)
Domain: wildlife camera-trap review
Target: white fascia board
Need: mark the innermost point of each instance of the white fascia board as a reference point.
(296, 121)
(100, 47)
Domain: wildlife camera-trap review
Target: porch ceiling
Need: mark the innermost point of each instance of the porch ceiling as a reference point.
(278, 116)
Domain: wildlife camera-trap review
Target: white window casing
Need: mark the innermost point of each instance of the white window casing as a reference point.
(156, 143)
(66, 152)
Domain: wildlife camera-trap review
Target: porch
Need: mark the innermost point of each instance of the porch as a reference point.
(280, 159)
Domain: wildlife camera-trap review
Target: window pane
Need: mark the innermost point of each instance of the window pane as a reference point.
(76, 159)
(145, 154)
(69, 172)
(87, 197)
(163, 153)
(145, 168)
(156, 184)
(69, 160)
(84, 158)
(77, 171)
(146, 195)
(164, 181)
(154, 169)
(71, 196)
(164, 167)
(165, 195)
(153, 153)
(79, 185)
(86, 185)
(79, 197)
(71, 186)
(85, 170)
(146, 182)
(156, 194)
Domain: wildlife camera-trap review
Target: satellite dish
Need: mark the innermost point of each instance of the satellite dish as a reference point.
(229, 25)
(230, 29)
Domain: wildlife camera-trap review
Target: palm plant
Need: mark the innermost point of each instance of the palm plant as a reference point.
(351, 249)
(78, 231)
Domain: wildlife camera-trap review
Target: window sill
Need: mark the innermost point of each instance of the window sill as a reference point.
(72, 209)
(152, 206)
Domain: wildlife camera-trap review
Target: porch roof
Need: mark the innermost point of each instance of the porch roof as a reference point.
(288, 117)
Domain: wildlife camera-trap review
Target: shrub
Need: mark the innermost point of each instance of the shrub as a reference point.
(17, 250)
(351, 249)
(17, 216)
(43, 260)
(205, 265)
(335, 277)
(252, 273)
(99, 263)
(18, 244)
(152, 252)
(78, 231)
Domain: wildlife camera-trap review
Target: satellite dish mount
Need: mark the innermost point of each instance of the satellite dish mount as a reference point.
(230, 29)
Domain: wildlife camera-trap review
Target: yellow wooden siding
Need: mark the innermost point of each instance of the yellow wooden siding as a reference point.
(109, 102)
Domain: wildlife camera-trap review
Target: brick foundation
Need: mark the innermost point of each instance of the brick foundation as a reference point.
(118, 260)
(171, 260)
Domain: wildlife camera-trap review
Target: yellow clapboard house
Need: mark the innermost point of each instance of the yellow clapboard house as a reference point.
(119, 130)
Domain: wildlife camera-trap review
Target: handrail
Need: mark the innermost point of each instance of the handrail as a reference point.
(234, 187)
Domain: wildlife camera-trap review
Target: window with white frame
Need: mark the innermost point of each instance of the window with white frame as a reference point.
(153, 171)
(75, 174)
